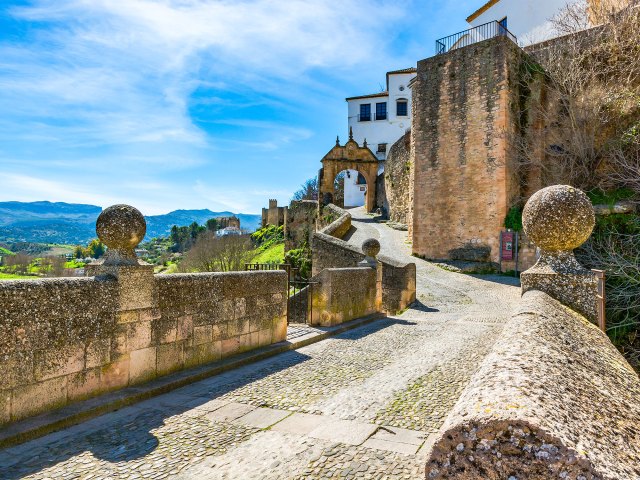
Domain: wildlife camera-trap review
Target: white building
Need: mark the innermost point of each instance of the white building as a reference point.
(380, 119)
(528, 20)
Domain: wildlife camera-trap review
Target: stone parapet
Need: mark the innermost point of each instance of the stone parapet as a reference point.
(554, 399)
(65, 340)
(397, 279)
(343, 294)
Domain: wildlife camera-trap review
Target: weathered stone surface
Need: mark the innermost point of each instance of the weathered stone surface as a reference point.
(343, 294)
(397, 174)
(559, 219)
(555, 399)
(398, 282)
(371, 247)
(121, 228)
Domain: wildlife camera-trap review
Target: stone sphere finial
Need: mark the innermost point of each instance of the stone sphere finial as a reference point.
(558, 218)
(371, 247)
(121, 228)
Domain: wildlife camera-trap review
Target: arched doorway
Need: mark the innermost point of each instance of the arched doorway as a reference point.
(354, 159)
(350, 189)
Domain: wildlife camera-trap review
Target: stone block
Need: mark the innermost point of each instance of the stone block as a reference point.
(164, 330)
(115, 375)
(38, 397)
(16, 371)
(169, 358)
(279, 332)
(83, 384)
(389, 446)
(230, 412)
(230, 346)
(185, 327)
(202, 334)
(98, 353)
(262, 417)
(128, 317)
(201, 354)
(150, 314)
(301, 423)
(344, 431)
(265, 337)
(240, 307)
(5, 406)
(58, 363)
(139, 336)
(217, 331)
(142, 365)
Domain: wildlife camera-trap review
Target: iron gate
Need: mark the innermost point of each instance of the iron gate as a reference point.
(299, 308)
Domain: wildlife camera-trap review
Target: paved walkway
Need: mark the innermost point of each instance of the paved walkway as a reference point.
(359, 405)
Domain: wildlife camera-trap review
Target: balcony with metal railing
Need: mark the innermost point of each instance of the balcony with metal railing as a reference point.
(474, 35)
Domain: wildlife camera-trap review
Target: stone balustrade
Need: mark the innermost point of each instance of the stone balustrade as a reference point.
(555, 398)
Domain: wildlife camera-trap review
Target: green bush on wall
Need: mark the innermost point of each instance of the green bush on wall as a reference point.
(513, 220)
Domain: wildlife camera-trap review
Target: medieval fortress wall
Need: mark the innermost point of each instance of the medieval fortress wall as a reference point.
(464, 117)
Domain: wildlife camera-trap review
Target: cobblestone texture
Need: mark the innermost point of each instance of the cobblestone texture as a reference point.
(142, 445)
(341, 461)
(405, 371)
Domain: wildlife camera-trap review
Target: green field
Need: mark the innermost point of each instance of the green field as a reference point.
(10, 276)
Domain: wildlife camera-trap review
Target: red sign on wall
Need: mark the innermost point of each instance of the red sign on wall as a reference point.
(506, 252)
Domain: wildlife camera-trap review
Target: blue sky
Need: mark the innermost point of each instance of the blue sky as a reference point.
(171, 104)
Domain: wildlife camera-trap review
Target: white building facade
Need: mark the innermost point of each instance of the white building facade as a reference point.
(380, 119)
(528, 20)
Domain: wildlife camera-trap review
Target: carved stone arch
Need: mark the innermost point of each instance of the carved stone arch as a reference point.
(349, 156)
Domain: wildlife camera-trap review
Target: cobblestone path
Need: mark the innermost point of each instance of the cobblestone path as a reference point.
(359, 405)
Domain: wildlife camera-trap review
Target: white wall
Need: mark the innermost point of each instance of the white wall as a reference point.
(382, 131)
(354, 194)
(379, 131)
(526, 19)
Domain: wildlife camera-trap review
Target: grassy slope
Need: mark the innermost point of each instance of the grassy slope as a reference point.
(273, 254)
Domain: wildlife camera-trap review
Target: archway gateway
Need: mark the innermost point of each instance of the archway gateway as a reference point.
(351, 156)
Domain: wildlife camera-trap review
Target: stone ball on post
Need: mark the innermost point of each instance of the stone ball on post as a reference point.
(121, 228)
(371, 247)
(558, 218)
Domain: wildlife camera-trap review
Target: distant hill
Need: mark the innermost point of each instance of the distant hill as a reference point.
(70, 223)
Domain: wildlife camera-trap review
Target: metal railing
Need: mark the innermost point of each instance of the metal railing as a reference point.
(381, 116)
(364, 118)
(473, 35)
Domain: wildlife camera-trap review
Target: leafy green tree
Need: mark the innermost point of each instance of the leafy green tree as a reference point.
(212, 224)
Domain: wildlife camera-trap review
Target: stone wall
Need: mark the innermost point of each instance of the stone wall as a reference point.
(526, 256)
(554, 399)
(344, 294)
(398, 280)
(465, 119)
(274, 215)
(301, 223)
(64, 340)
(397, 173)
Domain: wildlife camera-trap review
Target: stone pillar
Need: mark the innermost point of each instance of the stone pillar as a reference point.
(121, 228)
(558, 219)
(371, 249)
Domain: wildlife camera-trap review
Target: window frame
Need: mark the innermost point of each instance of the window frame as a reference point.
(362, 115)
(379, 116)
(406, 107)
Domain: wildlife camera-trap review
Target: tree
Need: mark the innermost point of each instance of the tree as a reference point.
(212, 224)
(308, 190)
(95, 249)
(217, 254)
